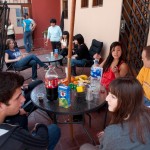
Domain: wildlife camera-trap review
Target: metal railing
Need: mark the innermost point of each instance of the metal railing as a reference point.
(136, 15)
(4, 15)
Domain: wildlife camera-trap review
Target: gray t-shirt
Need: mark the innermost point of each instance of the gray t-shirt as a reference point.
(117, 138)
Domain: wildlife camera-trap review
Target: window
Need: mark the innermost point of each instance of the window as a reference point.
(18, 17)
(65, 8)
(84, 3)
(97, 2)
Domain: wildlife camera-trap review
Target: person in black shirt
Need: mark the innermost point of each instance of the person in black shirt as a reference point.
(81, 53)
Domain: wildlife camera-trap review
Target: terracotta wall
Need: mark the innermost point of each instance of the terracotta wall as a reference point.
(42, 11)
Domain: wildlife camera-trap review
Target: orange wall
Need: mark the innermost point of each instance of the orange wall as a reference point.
(42, 11)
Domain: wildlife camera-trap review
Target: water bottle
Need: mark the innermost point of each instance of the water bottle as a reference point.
(96, 74)
(51, 84)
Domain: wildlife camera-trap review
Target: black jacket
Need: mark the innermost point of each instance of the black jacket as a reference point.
(16, 138)
(82, 52)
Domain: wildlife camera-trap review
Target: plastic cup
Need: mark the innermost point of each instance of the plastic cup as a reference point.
(96, 95)
(52, 54)
(40, 97)
(89, 94)
(66, 71)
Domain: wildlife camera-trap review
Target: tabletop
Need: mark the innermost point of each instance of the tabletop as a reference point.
(46, 58)
(79, 104)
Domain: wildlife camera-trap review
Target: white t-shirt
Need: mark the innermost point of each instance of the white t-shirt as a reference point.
(64, 42)
(10, 29)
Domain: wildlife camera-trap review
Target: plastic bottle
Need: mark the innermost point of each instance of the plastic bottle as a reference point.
(96, 74)
(56, 53)
(51, 84)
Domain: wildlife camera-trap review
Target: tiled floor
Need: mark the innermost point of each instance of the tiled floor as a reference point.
(80, 137)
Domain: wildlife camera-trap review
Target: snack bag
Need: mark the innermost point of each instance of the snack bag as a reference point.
(64, 96)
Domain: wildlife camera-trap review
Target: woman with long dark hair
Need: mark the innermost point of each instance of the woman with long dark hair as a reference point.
(129, 127)
(114, 66)
(64, 45)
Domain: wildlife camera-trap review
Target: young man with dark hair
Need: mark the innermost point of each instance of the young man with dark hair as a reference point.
(33, 26)
(28, 27)
(14, 137)
(144, 74)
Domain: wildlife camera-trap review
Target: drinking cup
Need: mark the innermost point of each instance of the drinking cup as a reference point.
(40, 97)
(96, 95)
(52, 54)
(89, 94)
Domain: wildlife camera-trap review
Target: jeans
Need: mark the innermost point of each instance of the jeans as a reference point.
(28, 41)
(75, 62)
(32, 61)
(54, 136)
(146, 101)
(64, 52)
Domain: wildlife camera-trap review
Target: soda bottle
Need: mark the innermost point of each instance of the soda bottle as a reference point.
(51, 84)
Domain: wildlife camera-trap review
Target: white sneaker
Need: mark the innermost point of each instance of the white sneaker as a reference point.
(34, 79)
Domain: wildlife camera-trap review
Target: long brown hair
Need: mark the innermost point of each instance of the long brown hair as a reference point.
(130, 107)
(110, 58)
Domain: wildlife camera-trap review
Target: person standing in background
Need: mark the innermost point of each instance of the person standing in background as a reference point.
(64, 45)
(54, 34)
(10, 31)
(32, 27)
(28, 27)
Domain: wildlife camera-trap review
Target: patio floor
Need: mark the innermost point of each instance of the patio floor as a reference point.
(80, 137)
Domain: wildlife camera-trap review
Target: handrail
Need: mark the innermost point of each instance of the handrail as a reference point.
(4, 15)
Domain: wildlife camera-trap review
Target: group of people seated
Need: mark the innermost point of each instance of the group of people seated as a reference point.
(128, 100)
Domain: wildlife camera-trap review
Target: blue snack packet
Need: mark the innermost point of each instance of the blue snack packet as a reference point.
(64, 96)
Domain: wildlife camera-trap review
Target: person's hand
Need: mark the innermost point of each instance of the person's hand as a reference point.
(97, 56)
(100, 134)
(115, 69)
(19, 58)
(46, 43)
(74, 56)
(25, 54)
(34, 127)
(25, 86)
(63, 46)
(22, 112)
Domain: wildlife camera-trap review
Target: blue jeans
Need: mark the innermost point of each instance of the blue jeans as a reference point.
(30, 60)
(75, 62)
(28, 41)
(54, 136)
(146, 101)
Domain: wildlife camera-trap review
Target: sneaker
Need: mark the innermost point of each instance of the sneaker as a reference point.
(34, 80)
(46, 68)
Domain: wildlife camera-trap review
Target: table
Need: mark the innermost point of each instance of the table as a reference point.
(47, 58)
(79, 106)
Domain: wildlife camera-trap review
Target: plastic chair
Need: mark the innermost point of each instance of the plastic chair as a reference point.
(96, 47)
(10, 67)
